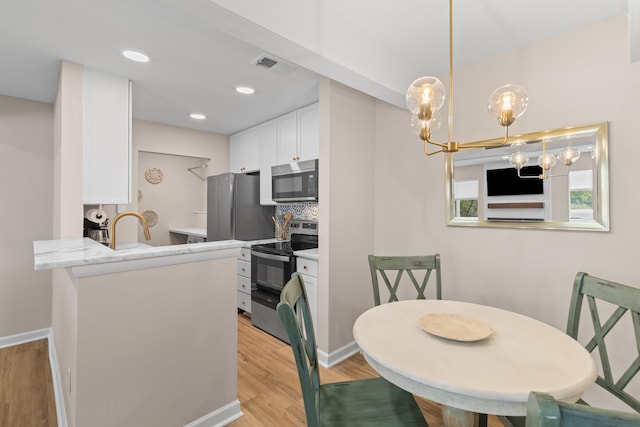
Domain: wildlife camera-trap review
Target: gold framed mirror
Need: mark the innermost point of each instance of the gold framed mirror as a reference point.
(494, 187)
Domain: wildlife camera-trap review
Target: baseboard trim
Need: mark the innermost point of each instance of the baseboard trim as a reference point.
(57, 383)
(24, 337)
(328, 360)
(220, 417)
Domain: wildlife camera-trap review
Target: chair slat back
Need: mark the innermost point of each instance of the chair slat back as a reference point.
(544, 411)
(627, 299)
(295, 315)
(396, 266)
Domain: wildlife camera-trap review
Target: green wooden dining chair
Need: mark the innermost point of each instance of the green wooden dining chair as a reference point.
(383, 265)
(544, 411)
(626, 299)
(370, 402)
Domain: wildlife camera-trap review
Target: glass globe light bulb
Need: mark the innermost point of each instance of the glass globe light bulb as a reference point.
(417, 124)
(518, 159)
(568, 156)
(507, 103)
(547, 161)
(425, 93)
(434, 123)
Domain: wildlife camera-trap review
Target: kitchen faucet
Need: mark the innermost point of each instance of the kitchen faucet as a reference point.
(143, 222)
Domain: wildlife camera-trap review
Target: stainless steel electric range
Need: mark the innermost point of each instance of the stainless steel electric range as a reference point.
(271, 267)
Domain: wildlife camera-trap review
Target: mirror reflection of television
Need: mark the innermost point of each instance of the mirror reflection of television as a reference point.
(506, 182)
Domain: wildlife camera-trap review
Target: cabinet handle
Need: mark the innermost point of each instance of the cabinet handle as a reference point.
(304, 267)
(243, 270)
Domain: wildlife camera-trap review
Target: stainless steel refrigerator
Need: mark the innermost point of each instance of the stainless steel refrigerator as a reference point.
(234, 211)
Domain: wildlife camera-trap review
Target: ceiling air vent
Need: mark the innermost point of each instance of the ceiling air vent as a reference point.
(265, 62)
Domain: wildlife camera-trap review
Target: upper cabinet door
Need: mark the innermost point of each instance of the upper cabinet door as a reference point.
(236, 147)
(268, 158)
(244, 151)
(106, 146)
(308, 132)
(252, 149)
(287, 138)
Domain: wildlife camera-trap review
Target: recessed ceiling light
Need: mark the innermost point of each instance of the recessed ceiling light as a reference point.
(197, 116)
(135, 56)
(245, 90)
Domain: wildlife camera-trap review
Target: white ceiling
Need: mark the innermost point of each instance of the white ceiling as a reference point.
(201, 49)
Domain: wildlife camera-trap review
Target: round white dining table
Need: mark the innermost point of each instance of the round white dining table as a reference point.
(491, 375)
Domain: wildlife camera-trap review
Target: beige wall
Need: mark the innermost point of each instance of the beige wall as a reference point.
(179, 200)
(26, 166)
(574, 79)
(346, 204)
(166, 354)
(159, 138)
(67, 219)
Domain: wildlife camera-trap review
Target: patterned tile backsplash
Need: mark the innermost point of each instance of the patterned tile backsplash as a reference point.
(301, 210)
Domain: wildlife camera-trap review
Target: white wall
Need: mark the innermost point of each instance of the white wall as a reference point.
(574, 79)
(26, 167)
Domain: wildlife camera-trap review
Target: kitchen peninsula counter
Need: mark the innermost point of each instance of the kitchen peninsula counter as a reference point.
(95, 257)
(144, 335)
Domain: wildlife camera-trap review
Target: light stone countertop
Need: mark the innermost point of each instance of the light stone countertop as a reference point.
(78, 252)
(49, 254)
(190, 231)
(308, 254)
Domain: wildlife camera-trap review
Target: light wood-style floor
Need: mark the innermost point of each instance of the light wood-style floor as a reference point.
(268, 387)
(26, 390)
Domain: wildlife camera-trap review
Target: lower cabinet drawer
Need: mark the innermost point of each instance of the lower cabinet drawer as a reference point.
(244, 268)
(244, 301)
(307, 266)
(244, 284)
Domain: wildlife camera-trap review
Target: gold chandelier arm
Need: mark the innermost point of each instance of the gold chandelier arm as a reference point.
(439, 144)
(486, 143)
(430, 153)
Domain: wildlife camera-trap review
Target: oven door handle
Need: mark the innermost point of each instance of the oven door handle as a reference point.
(271, 256)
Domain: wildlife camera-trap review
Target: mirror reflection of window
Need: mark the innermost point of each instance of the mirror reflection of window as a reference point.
(581, 195)
(466, 198)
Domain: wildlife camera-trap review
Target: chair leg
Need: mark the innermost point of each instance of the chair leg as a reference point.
(482, 420)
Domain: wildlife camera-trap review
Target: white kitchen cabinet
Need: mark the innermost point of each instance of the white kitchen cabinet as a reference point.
(308, 269)
(268, 158)
(244, 151)
(287, 146)
(308, 132)
(289, 138)
(106, 138)
(244, 280)
(298, 135)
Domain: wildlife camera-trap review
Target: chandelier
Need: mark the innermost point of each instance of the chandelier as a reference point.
(425, 96)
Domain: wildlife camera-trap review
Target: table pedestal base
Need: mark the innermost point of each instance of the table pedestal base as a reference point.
(454, 417)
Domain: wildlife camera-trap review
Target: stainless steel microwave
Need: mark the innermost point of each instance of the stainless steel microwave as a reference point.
(294, 182)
